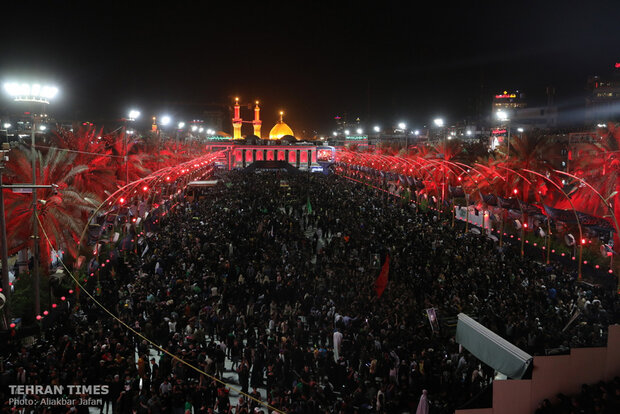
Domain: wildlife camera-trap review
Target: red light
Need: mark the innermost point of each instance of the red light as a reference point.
(54, 305)
(45, 313)
(145, 188)
(596, 267)
(71, 291)
(39, 317)
(583, 241)
(525, 225)
(63, 298)
(121, 200)
(459, 178)
(515, 191)
(168, 178)
(12, 325)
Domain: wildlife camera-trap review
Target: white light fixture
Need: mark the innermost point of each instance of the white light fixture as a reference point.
(468, 132)
(7, 125)
(42, 128)
(201, 129)
(335, 133)
(165, 120)
(416, 132)
(194, 128)
(359, 130)
(134, 114)
(347, 132)
(438, 122)
(402, 125)
(520, 129)
(377, 128)
(501, 115)
(26, 92)
(181, 125)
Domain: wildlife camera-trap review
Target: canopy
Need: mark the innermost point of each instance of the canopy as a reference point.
(491, 349)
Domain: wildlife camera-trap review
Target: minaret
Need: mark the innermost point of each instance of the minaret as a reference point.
(257, 122)
(237, 121)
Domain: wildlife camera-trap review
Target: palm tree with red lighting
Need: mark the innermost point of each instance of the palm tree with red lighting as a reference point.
(62, 211)
(527, 152)
(601, 169)
(89, 148)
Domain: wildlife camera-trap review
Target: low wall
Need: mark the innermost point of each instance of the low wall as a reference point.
(556, 374)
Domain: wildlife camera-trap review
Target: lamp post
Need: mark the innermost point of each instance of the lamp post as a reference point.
(34, 93)
(503, 117)
(439, 124)
(133, 115)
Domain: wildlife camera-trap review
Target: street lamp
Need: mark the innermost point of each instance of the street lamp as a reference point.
(377, 128)
(438, 122)
(34, 93)
(347, 132)
(502, 116)
(402, 125)
(359, 130)
(132, 116)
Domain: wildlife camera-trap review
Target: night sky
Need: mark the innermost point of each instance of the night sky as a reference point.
(386, 62)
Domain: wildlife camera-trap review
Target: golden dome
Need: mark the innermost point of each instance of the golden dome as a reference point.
(280, 130)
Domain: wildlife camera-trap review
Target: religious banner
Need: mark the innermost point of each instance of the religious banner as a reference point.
(382, 280)
(432, 319)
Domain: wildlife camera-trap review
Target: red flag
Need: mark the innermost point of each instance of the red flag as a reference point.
(382, 280)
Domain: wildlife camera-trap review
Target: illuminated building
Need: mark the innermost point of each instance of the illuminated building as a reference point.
(603, 100)
(280, 129)
(508, 102)
(257, 122)
(237, 121)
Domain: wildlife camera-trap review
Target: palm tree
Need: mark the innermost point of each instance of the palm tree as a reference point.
(601, 169)
(527, 152)
(62, 212)
(89, 149)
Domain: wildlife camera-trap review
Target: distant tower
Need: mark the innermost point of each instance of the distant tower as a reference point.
(237, 121)
(257, 122)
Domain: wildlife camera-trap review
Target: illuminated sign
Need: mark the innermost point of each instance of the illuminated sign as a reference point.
(506, 96)
(617, 65)
(498, 131)
(357, 138)
(325, 154)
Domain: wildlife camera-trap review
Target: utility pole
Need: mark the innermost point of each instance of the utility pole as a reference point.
(35, 222)
(6, 288)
